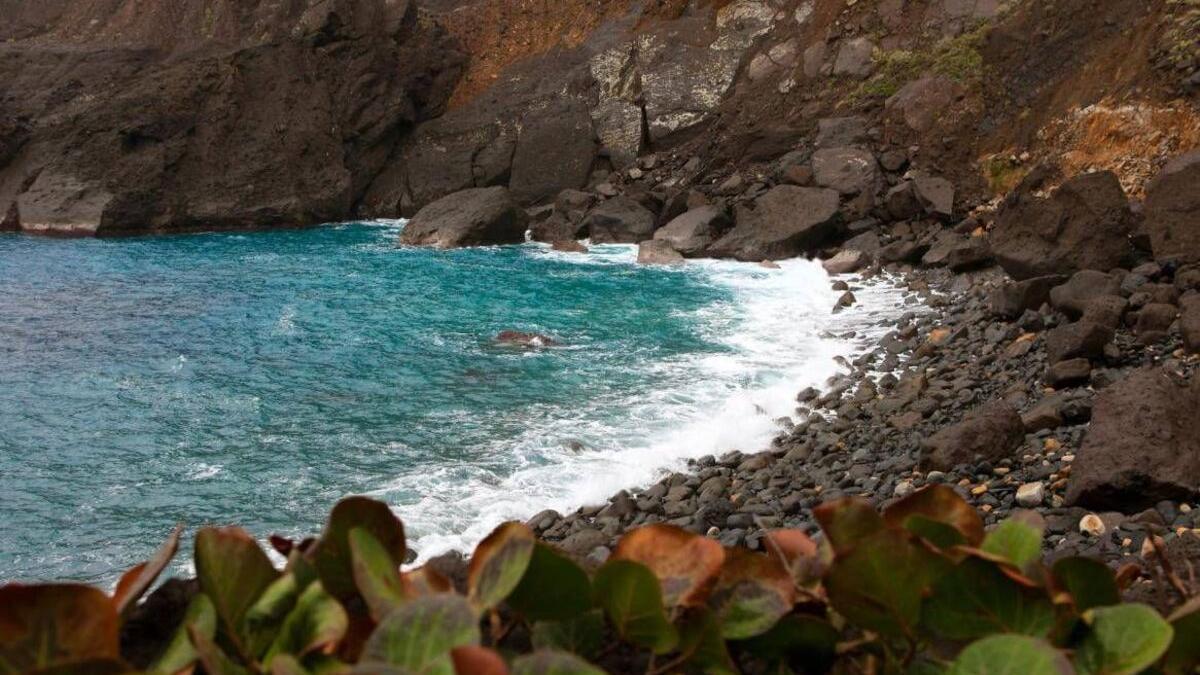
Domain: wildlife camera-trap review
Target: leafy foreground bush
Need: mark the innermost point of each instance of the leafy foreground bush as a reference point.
(920, 588)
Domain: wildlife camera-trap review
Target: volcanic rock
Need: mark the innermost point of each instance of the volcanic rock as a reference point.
(1072, 297)
(1013, 298)
(850, 171)
(620, 220)
(1082, 339)
(1173, 210)
(786, 222)
(658, 252)
(989, 433)
(475, 217)
(692, 232)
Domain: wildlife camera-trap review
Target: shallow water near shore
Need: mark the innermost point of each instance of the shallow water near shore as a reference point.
(257, 378)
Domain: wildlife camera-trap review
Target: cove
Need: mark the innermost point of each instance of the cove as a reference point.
(254, 379)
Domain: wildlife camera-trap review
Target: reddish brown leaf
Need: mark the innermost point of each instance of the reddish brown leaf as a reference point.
(940, 503)
(475, 660)
(752, 592)
(331, 554)
(846, 521)
(798, 551)
(686, 564)
(137, 581)
(282, 545)
(498, 563)
(425, 581)
(51, 625)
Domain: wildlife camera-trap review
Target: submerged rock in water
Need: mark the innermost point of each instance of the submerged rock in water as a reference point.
(521, 339)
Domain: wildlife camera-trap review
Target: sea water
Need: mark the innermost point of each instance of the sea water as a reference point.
(255, 379)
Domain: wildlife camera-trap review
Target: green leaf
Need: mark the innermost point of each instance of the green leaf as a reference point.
(201, 617)
(880, 583)
(1184, 654)
(212, 657)
(1124, 639)
(498, 564)
(266, 616)
(1089, 582)
(286, 664)
(375, 574)
(331, 555)
(553, 663)
(935, 532)
(50, 625)
(549, 569)
(317, 622)
(1011, 655)
(976, 598)
(632, 598)
(847, 521)
(797, 639)
(1017, 542)
(233, 573)
(752, 593)
(418, 635)
(685, 563)
(939, 503)
(582, 635)
(702, 645)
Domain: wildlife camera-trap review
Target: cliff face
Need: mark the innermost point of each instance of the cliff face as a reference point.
(145, 115)
(123, 116)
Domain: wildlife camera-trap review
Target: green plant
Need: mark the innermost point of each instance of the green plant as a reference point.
(920, 587)
(957, 58)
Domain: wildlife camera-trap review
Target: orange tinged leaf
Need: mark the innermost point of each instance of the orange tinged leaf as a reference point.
(51, 625)
(137, 581)
(475, 660)
(498, 564)
(752, 593)
(940, 503)
(686, 564)
(425, 581)
(847, 521)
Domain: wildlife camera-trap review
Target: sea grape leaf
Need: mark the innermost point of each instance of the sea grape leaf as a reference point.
(942, 504)
(702, 645)
(324, 664)
(800, 554)
(49, 625)
(571, 590)
(752, 592)
(137, 581)
(475, 660)
(686, 564)
(1184, 654)
(1089, 583)
(212, 657)
(548, 662)
(201, 617)
(976, 598)
(375, 574)
(632, 598)
(582, 635)
(1017, 542)
(1123, 640)
(233, 573)
(880, 583)
(317, 623)
(266, 616)
(941, 535)
(286, 664)
(797, 638)
(848, 520)
(418, 635)
(89, 667)
(331, 554)
(498, 564)
(1011, 655)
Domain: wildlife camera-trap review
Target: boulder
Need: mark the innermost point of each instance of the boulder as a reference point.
(836, 132)
(554, 151)
(620, 220)
(566, 223)
(936, 195)
(855, 58)
(1082, 339)
(989, 433)
(1173, 210)
(523, 339)
(901, 201)
(1084, 224)
(1012, 299)
(920, 103)
(785, 222)
(1072, 297)
(848, 170)
(658, 252)
(692, 232)
(1154, 320)
(1189, 322)
(847, 260)
(1069, 373)
(568, 246)
(1143, 445)
(1106, 310)
(475, 217)
(970, 254)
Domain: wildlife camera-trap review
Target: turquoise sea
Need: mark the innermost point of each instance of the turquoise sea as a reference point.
(255, 379)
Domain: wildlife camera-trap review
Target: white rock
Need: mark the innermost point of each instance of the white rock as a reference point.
(904, 488)
(1030, 495)
(1091, 524)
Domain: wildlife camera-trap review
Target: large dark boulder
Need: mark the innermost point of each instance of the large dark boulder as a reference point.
(988, 433)
(1082, 339)
(1143, 445)
(1072, 297)
(848, 170)
(554, 151)
(475, 217)
(1013, 298)
(786, 222)
(692, 232)
(1173, 210)
(620, 220)
(1085, 223)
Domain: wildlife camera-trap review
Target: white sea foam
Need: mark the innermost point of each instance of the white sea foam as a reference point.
(778, 331)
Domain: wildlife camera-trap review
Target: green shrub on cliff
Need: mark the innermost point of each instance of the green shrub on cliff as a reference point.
(918, 588)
